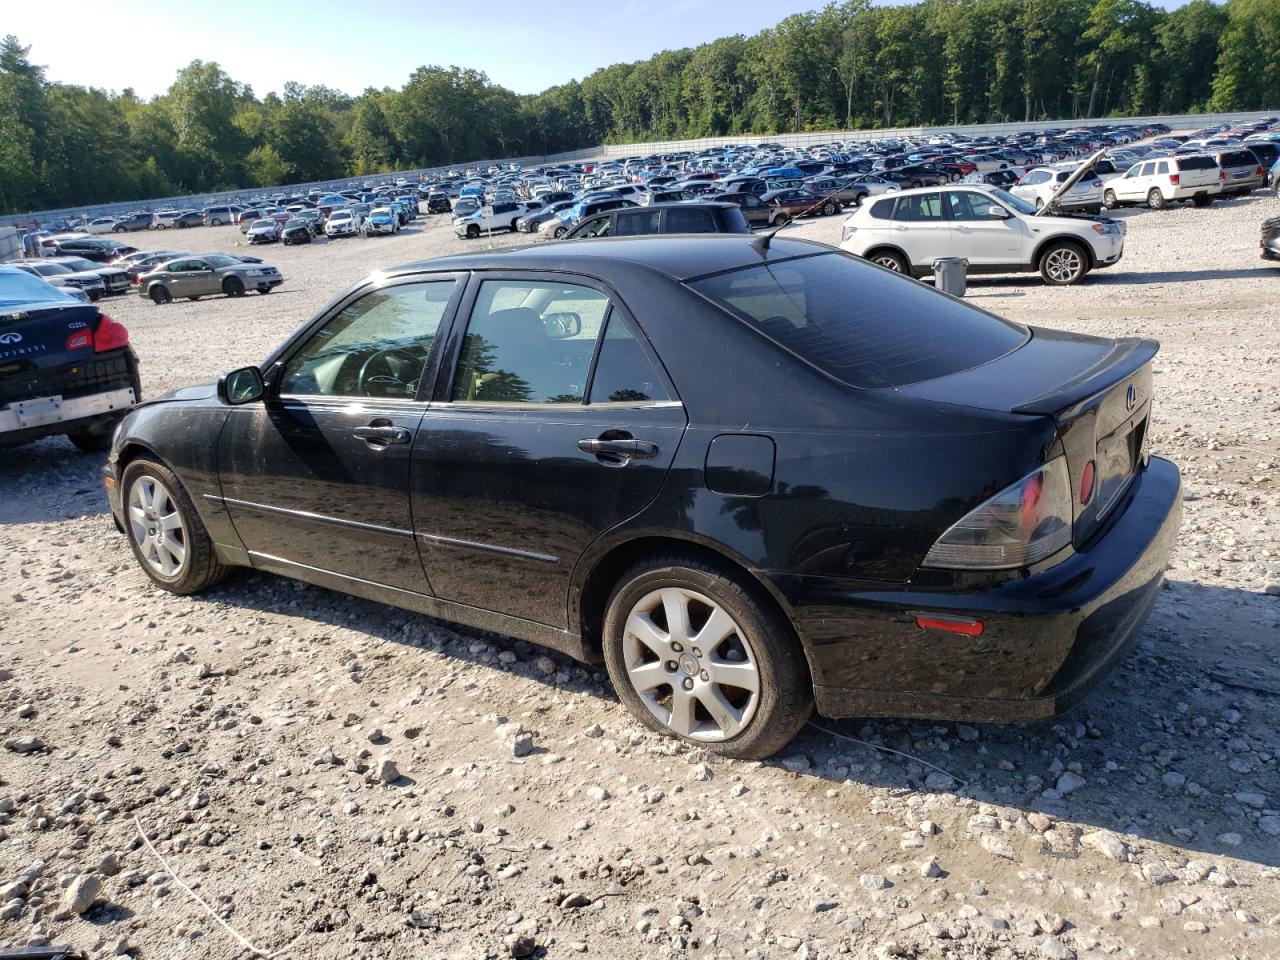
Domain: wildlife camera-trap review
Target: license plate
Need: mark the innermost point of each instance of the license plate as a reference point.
(36, 413)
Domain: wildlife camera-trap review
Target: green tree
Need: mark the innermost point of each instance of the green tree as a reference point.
(266, 167)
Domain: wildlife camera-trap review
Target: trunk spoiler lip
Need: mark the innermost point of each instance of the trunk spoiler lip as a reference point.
(1127, 357)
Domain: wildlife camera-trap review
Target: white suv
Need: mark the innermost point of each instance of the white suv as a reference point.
(1039, 184)
(994, 230)
(1163, 180)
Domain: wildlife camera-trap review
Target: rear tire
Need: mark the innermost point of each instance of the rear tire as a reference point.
(1109, 199)
(148, 481)
(752, 643)
(233, 287)
(890, 260)
(1155, 199)
(160, 295)
(828, 209)
(1063, 263)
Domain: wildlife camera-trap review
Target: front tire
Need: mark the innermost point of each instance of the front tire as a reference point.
(697, 653)
(1063, 263)
(166, 534)
(1110, 200)
(233, 287)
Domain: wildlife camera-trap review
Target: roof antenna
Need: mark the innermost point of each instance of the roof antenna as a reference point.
(760, 242)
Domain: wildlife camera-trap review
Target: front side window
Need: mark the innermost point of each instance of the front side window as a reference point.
(529, 341)
(376, 346)
(965, 205)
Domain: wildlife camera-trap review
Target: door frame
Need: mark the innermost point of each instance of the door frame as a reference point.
(446, 360)
(275, 363)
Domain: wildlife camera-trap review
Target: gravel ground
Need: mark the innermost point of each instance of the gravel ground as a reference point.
(340, 779)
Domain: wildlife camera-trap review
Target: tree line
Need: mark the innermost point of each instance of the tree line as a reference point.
(846, 66)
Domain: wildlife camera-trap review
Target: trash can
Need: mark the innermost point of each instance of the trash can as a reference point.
(949, 275)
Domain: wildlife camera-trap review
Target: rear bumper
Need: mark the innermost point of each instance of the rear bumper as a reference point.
(1047, 639)
(112, 387)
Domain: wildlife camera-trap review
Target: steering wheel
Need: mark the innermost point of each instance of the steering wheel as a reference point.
(380, 369)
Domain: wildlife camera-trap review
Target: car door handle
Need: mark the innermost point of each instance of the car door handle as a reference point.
(631, 449)
(378, 435)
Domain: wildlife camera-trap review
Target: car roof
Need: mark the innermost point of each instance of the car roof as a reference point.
(679, 257)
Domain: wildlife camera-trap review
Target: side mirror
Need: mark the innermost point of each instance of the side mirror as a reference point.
(997, 212)
(241, 386)
(562, 326)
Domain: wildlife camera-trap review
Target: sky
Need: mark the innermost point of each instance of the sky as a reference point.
(372, 43)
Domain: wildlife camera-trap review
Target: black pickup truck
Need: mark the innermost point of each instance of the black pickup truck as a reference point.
(65, 368)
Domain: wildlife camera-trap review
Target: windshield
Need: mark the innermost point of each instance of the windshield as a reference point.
(81, 264)
(50, 269)
(859, 325)
(220, 260)
(1009, 200)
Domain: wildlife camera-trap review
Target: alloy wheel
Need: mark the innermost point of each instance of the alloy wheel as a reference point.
(888, 261)
(1063, 264)
(157, 526)
(691, 664)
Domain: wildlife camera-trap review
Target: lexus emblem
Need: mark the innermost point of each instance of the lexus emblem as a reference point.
(1131, 398)
(10, 338)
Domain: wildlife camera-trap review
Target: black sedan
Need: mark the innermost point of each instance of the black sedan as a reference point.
(747, 475)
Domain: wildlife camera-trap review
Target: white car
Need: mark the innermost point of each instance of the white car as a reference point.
(874, 184)
(100, 225)
(994, 230)
(1039, 184)
(342, 223)
(1161, 181)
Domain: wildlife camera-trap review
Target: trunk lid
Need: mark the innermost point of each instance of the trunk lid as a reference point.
(1097, 392)
(35, 335)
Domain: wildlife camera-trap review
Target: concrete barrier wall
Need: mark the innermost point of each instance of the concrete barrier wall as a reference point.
(197, 201)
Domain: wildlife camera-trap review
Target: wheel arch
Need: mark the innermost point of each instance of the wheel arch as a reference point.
(1083, 244)
(593, 585)
(890, 248)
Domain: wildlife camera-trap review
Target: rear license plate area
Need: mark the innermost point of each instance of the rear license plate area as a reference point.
(38, 412)
(1117, 459)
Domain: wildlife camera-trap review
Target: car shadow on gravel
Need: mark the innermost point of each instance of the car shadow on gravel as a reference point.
(1180, 276)
(1177, 745)
(50, 479)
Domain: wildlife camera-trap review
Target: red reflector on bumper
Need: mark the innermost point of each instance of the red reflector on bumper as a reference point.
(964, 626)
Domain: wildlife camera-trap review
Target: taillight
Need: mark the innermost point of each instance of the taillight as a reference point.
(1086, 482)
(110, 335)
(1222, 176)
(79, 340)
(1021, 525)
(1175, 178)
(1258, 172)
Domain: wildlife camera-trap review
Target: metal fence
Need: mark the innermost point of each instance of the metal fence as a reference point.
(200, 200)
(809, 138)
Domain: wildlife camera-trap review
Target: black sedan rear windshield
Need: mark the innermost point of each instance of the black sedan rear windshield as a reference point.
(858, 325)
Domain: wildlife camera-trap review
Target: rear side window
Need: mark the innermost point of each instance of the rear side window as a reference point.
(636, 224)
(865, 329)
(624, 373)
(683, 220)
(920, 206)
